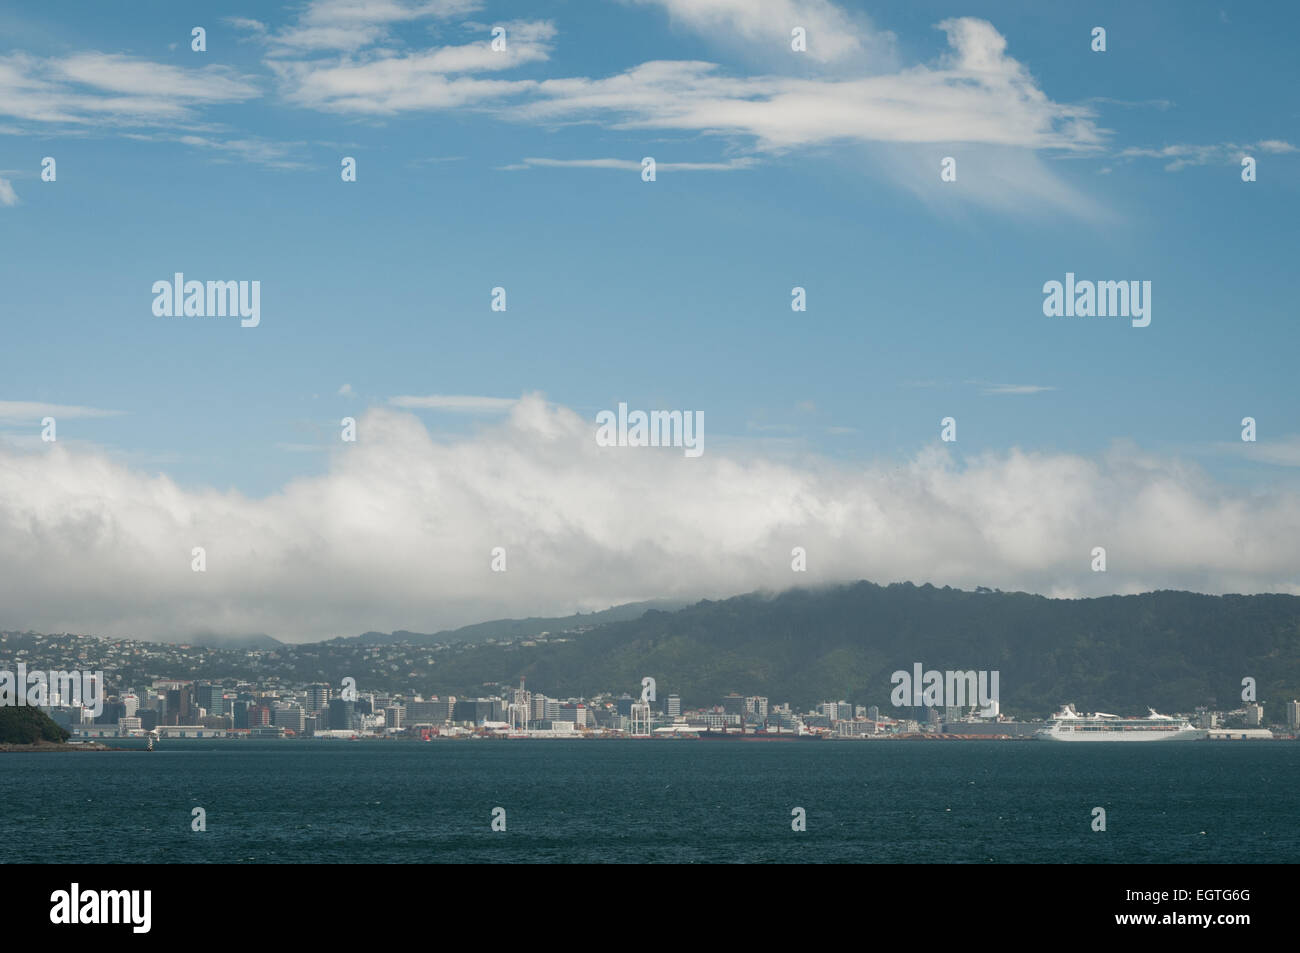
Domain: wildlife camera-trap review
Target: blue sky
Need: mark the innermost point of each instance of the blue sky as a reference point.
(820, 169)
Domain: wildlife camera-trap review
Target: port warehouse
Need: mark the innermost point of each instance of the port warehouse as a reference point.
(992, 729)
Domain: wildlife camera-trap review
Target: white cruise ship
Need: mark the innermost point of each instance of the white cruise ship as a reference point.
(1069, 725)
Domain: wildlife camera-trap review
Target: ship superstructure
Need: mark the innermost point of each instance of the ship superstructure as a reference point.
(1069, 725)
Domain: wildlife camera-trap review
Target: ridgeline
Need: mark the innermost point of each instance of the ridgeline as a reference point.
(1168, 650)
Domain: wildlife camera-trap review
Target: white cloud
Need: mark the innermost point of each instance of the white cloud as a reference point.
(634, 165)
(340, 56)
(977, 94)
(461, 403)
(1278, 451)
(383, 82)
(247, 23)
(1015, 389)
(346, 391)
(276, 155)
(397, 533)
(832, 35)
(353, 24)
(1223, 153)
(97, 88)
(115, 73)
(8, 196)
(27, 411)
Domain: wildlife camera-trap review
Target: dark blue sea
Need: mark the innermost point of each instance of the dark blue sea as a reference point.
(654, 801)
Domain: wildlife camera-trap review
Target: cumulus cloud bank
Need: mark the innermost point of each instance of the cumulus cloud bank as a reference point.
(398, 532)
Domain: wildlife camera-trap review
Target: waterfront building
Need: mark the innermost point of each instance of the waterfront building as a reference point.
(290, 717)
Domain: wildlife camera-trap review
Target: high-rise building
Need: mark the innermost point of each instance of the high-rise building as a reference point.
(1255, 714)
(674, 709)
(873, 712)
(435, 712)
(475, 711)
(836, 711)
(539, 706)
(1293, 714)
(130, 704)
(180, 705)
(289, 716)
(756, 705)
(576, 713)
(208, 695)
(113, 710)
(343, 715)
(318, 697)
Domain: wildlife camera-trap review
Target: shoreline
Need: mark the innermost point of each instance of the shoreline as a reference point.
(7, 748)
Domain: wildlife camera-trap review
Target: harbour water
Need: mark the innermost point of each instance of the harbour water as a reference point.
(664, 801)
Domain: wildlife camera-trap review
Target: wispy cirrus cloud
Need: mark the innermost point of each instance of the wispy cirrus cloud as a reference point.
(1224, 153)
(1014, 389)
(265, 152)
(976, 94)
(348, 58)
(985, 387)
(344, 25)
(634, 165)
(93, 88)
(278, 155)
(383, 82)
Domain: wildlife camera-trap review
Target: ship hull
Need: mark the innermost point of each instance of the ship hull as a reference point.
(755, 736)
(1186, 734)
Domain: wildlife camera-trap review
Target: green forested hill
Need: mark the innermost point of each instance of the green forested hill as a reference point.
(1169, 650)
(21, 725)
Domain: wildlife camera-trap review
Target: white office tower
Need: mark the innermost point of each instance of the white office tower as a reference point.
(640, 721)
